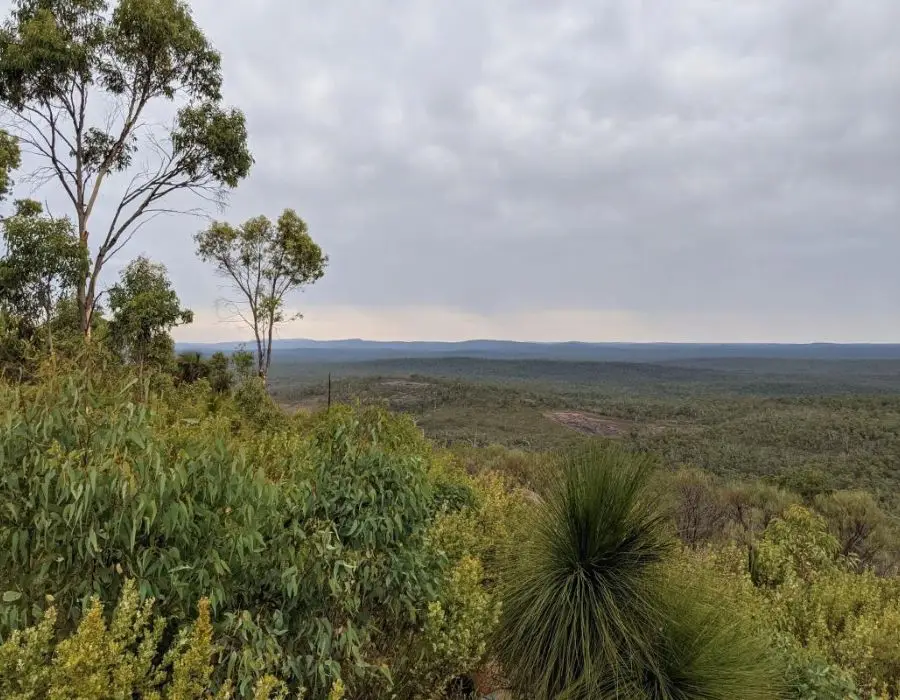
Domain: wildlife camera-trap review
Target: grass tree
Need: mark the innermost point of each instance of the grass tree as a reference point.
(590, 609)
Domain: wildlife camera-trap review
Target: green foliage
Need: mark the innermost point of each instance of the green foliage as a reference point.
(123, 658)
(751, 505)
(455, 631)
(363, 428)
(264, 262)
(806, 673)
(255, 405)
(42, 263)
(810, 677)
(863, 530)
(582, 602)
(483, 528)
(10, 159)
(221, 377)
(57, 57)
(471, 534)
(795, 547)
(242, 360)
(190, 367)
(310, 574)
(590, 609)
(144, 309)
(851, 619)
(704, 650)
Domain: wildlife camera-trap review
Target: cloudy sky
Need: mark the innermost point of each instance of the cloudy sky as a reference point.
(674, 170)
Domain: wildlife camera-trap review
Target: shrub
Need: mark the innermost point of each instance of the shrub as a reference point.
(483, 529)
(121, 659)
(750, 507)
(806, 672)
(455, 633)
(796, 546)
(698, 508)
(255, 406)
(309, 574)
(863, 531)
(836, 628)
(851, 620)
(811, 677)
(459, 624)
(705, 650)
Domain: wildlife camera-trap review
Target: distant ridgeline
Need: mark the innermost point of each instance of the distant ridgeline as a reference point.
(362, 350)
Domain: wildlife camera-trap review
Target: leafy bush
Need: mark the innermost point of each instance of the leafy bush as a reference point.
(751, 505)
(837, 629)
(795, 547)
(807, 674)
(121, 659)
(460, 623)
(255, 405)
(310, 574)
(850, 619)
(455, 633)
(863, 530)
(697, 506)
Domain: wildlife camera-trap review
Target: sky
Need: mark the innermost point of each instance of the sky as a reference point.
(637, 170)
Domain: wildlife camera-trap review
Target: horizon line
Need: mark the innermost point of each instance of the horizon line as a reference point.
(541, 342)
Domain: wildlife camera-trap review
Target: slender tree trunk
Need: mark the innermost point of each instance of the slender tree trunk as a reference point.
(47, 312)
(81, 295)
(259, 353)
(90, 296)
(269, 346)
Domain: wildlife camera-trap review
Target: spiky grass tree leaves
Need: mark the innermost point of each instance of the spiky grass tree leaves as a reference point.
(593, 609)
(582, 598)
(706, 651)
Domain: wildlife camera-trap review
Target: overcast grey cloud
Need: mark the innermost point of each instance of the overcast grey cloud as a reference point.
(665, 169)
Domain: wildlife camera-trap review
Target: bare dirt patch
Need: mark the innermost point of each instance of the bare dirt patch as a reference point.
(590, 424)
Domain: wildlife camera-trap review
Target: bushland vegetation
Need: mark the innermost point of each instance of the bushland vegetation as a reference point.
(165, 535)
(167, 530)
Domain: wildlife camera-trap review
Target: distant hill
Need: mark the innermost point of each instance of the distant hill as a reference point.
(355, 350)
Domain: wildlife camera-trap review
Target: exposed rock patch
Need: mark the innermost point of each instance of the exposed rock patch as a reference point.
(590, 424)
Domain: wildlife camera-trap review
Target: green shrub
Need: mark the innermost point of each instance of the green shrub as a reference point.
(705, 650)
(455, 633)
(255, 406)
(583, 599)
(807, 674)
(121, 659)
(811, 677)
(836, 629)
(309, 574)
(454, 640)
(863, 530)
(698, 506)
(795, 547)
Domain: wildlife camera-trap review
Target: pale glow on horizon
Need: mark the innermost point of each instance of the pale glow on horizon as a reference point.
(436, 324)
